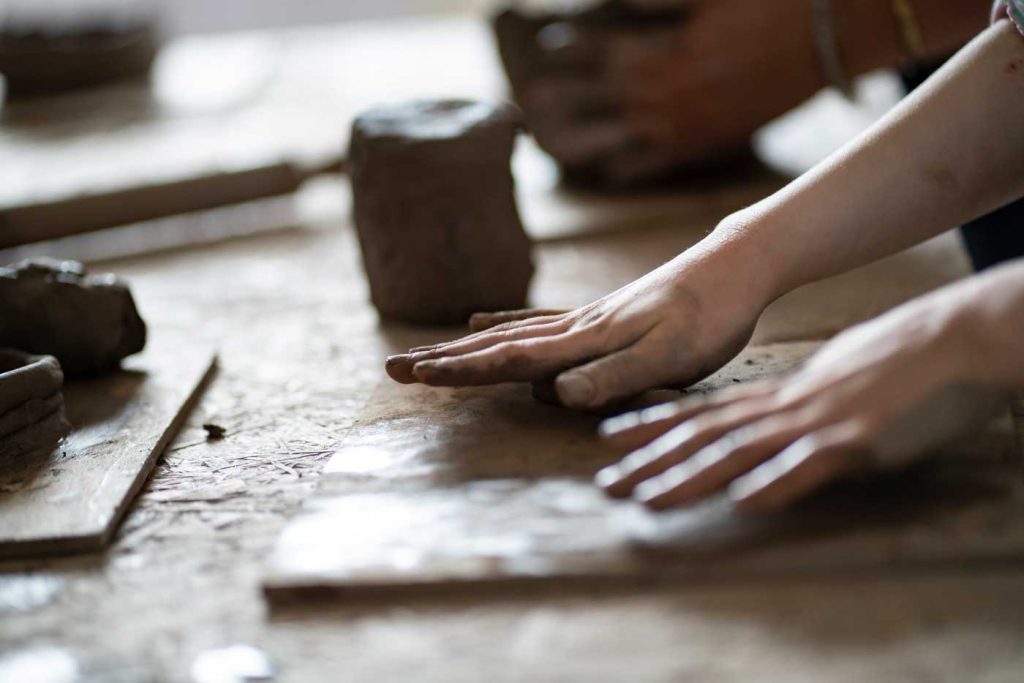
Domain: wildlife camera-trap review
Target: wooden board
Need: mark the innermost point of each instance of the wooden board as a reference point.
(435, 488)
(72, 499)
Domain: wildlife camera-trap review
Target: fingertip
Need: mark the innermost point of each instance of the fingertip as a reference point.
(611, 481)
(478, 322)
(400, 369)
(615, 426)
(576, 390)
(652, 495)
(756, 492)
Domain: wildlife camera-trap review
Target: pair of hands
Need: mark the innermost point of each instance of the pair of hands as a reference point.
(629, 103)
(877, 396)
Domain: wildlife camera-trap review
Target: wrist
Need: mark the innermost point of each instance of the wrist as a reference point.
(745, 259)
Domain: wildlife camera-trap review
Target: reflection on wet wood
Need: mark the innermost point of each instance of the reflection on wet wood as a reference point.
(70, 500)
(521, 531)
(434, 488)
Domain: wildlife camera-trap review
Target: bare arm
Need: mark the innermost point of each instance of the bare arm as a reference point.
(949, 153)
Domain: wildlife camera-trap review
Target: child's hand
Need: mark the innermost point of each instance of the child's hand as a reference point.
(878, 396)
(675, 326)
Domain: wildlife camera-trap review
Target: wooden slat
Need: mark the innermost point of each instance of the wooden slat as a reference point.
(71, 500)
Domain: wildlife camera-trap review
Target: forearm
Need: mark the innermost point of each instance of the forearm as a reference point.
(947, 154)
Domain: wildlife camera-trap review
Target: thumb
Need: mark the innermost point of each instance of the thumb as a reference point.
(614, 377)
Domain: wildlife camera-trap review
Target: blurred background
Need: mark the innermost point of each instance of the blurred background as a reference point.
(201, 16)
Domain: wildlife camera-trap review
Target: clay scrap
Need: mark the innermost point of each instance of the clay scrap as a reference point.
(71, 499)
(45, 55)
(31, 404)
(88, 322)
(435, 210)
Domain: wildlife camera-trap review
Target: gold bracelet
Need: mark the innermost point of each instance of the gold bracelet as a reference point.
(910, 29)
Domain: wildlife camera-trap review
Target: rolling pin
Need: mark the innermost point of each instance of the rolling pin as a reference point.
(52, 220)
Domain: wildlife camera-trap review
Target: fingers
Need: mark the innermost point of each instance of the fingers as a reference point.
(676, 446)
(630, 431)
(485, 321)
(526, 360)
(400, 367)
(716, 465)
(807, 465)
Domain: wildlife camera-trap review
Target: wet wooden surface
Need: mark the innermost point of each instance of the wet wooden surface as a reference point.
(301, 352)
(71, 499)
(487, 487)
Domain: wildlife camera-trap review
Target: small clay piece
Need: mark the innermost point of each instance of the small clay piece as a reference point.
(88, 322)
(45, 55)
(214, 432)
(565, 40)
(31, 404)
(435, 210)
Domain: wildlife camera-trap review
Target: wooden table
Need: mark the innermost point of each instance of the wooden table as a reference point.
(301, 349)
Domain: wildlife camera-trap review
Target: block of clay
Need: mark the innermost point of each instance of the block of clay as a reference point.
(435, 210)
(31, 404)
(43, 55)
(88, 322)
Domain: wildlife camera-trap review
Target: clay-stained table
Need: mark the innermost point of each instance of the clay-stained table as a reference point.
(300, 353)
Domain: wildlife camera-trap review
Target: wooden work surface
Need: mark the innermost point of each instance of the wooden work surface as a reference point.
(301, 351)
(71, 500)
(487, 488)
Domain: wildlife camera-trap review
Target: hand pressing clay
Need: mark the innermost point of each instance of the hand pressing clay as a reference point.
(31, 404)
(435, 210)
(44, 55)
(88, 322)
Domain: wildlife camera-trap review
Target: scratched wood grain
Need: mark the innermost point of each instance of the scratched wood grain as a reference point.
(437, 488)
(71, 499)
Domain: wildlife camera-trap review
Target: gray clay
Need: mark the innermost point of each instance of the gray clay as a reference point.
(88, 322)
(435, 210)
(31, 404)
(38, 58)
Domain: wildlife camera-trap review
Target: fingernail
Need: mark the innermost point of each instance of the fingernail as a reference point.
(618, 424)
(648, 491)
(399, 369)
(575, 389)
(608, 476)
